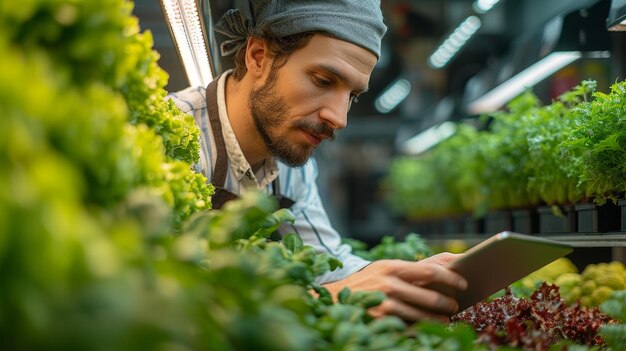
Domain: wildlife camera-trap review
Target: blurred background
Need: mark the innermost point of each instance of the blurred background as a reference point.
(439, 58)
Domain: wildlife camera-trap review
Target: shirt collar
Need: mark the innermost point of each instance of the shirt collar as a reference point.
(239, 165)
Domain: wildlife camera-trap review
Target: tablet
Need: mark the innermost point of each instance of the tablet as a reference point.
(500, 261)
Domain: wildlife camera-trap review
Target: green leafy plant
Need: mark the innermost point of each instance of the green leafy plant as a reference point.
(445, 181)
(600, 139)
(560, 153)
(554, 174)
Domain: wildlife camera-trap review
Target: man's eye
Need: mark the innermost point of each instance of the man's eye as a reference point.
(322, 82)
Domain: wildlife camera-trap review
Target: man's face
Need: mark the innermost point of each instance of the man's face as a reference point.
(305, 101)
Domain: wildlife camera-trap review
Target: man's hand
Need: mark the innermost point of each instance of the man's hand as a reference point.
(409, 287)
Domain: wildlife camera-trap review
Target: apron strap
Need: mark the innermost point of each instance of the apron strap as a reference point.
(221, 162)
(283, 201)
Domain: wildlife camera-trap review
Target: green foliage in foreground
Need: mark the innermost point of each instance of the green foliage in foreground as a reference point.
(99, 42)
(615, 334)
(82, 94)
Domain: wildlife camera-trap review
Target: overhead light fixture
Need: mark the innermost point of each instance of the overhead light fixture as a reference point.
(578, 33)
(455, 41)
(483, 6)
(393, 95)
(428, 138)
(188, 32)
(505, 92)
(617, 16)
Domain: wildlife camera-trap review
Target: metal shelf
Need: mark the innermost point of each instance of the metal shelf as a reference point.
(591, 239)
(617, 239)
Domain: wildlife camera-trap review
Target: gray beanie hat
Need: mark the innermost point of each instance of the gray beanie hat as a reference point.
(357, 21)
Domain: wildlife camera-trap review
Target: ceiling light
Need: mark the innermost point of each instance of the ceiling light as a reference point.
(527, 78)
(428, 138)
(393, 95)
(579, 33)
(482, 6)
(455, 42)
(188, 32)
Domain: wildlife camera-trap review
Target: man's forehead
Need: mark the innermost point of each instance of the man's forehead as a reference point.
(345, 60)
(324, 44)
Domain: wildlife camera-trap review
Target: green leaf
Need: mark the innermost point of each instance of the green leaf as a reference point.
(386, 325)
(346, 312)
(614, 334)
(335, 263)
(320, 265)
(366, 299)
(457, 337)
(615, 306)
(344, 295)
(324, 295)
(271, 223)
(293, 242)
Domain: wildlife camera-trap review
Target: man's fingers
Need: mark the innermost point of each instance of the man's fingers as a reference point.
(442, 258)
(442, 288)
(432, 300)
(425, 273)
(419, 297)
(410, 288)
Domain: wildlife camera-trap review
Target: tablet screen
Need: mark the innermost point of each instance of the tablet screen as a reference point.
(500, 261)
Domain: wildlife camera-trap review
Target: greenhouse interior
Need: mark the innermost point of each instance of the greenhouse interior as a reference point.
(313, 175)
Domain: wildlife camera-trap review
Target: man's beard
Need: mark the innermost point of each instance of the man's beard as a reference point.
(270, 112)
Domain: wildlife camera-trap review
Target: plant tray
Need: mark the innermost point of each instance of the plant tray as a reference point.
(549, 222)
(592, 218)
(472, 225)
(498, 221)
(452, 225)
(525, 221)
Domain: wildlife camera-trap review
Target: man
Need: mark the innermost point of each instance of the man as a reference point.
(299, 65)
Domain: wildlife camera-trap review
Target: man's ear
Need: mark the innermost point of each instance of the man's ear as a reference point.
(257, 59)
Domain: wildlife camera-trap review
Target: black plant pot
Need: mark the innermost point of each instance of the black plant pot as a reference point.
(525, 221)
(424, 227)
(598, 219)
(549, 222)
(472, 225)
(452, 225)
(498, 221)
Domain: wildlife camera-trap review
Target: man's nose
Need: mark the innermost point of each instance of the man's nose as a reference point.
(335, 111)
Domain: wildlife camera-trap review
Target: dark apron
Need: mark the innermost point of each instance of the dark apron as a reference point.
(222, 195)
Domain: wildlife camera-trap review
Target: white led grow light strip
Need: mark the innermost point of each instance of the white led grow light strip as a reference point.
(428, 138)
(483, 6)
(453, 44)
(187, 30)
(526, 79)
